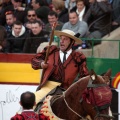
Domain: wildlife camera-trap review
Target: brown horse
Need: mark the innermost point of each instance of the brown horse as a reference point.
(90, 95)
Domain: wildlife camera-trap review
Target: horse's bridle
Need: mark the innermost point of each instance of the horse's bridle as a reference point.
(96, 107)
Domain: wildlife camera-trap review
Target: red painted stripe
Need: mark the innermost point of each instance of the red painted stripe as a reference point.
(16, 58)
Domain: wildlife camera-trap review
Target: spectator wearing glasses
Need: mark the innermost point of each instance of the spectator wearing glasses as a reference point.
(10, 19)
(31, 16)
(41, 9)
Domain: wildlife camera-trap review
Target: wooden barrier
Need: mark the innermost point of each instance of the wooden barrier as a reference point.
(16, 69)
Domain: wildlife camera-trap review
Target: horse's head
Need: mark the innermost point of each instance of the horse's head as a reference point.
(100, 79)
(99, 95)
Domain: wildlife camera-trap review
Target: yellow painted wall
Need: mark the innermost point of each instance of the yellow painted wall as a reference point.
(18, 73)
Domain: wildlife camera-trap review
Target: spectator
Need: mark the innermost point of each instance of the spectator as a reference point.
(70, 4)
(3, 36)
(61, 69)
(27, 101)
(99, 19)
(10, 19)
(36, 37)
(41, 9)
(31, 16)
(59, 8)
(14, 7)
(116, 14)
(17, 38)
(80, 8)
(53, 18)
(3, 5)
(75, 25)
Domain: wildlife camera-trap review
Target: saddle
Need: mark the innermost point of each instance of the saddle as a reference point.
(56, 91)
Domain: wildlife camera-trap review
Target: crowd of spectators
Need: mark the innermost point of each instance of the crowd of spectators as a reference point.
(25, 24)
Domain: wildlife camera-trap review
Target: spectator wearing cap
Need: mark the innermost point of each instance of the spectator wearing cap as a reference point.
(35, 38)
(41, 9)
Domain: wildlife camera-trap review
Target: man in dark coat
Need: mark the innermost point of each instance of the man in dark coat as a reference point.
(16, 38)
(98, 18)
(35, 38)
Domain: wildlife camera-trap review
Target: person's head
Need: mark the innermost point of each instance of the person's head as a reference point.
(16, 3)
(52, 17)
(10, 18)
(36, 27)
(31, 15)
(58, 6)
(17, 27)
(27, 100)
(73, 17)
(80, 4)
(37, 4)
(67, 39)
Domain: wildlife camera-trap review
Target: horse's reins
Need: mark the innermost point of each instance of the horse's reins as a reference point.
(71, 108)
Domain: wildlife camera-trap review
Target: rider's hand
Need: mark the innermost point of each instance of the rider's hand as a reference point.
(43, 65)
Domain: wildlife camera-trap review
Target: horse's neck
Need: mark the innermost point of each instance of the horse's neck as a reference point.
(76, 89)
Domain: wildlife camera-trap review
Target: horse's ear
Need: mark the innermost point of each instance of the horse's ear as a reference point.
(108, 73)
(93, 75)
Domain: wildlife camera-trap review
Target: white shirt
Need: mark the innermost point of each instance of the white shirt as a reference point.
(62, 54)
(81, 13)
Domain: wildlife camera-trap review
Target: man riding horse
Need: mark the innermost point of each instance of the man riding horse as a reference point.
(60, 70)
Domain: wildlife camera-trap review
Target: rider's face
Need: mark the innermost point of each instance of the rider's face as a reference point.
(64, 42)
